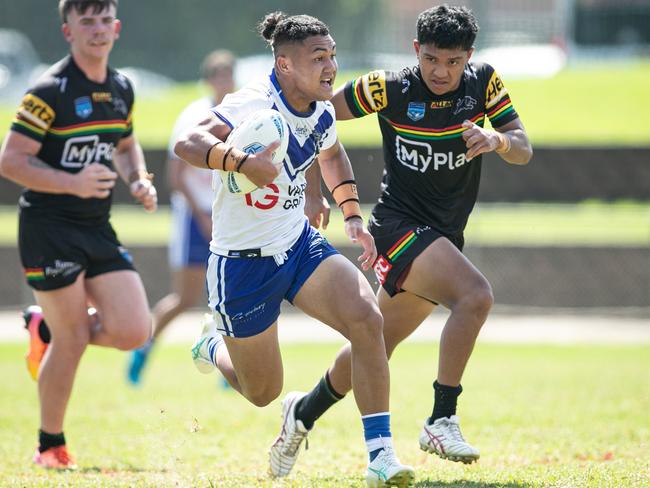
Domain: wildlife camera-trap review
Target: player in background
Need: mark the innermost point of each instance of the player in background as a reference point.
(263, 249)
(431, 118)
(71, 139)
(191, 204)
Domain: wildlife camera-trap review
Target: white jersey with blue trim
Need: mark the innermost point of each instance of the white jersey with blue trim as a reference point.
(198, 181)
(271, 218)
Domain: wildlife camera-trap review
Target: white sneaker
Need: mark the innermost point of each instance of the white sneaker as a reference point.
(444, 438)
(284, 451)
(200, 352)
(387, 470)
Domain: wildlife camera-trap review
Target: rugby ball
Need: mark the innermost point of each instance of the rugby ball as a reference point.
(252, 135)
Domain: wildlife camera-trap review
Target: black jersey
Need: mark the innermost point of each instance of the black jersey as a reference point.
(427, 177)
(77, 122)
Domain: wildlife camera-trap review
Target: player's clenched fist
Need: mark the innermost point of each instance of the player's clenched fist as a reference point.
(144, 191)
(479, 140)
(94, 181)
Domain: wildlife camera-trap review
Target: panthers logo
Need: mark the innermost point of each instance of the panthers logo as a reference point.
(465, 103)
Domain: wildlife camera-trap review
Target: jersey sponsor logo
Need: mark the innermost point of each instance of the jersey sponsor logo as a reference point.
(437, 104)
(416, 110)
(102, 97)
(83, 107)
(37, 111)
(418, 156)
(266, 201)
(381, 268)
(465, 103)
(374, 86)
(296, 196)
(405, 85)
(495, 90)
(84, 150)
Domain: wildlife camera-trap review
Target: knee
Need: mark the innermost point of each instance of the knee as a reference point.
(366, 323)
(261, 397)
(479, 300)
(134, 337)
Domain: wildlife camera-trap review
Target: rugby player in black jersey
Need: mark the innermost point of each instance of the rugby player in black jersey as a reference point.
(70, 140)
(431, 118)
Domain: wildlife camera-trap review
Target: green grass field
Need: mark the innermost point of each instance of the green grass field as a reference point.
(568, 109)
(627, 224)
(542, 416)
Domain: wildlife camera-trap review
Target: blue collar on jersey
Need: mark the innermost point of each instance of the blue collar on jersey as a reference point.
(276, 84)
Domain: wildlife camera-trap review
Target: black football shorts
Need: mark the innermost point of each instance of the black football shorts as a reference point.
(53, 251)
(399, 241)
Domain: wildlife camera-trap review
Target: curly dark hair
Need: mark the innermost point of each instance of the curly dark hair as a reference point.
(65, 6)
(447, 27)
(279, 28)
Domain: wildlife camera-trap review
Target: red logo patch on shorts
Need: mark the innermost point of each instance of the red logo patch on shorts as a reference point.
(381, 268)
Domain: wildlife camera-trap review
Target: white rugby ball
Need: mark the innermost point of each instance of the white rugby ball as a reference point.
(257, 131)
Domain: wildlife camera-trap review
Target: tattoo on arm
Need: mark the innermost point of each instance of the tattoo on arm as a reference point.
(37, 163)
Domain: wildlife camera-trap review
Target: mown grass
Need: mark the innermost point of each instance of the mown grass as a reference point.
(561, 416)
(586, 224)
(597, 104)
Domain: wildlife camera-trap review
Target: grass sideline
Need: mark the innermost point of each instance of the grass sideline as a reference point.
(627, 224)
(583, 422)
(565, 110)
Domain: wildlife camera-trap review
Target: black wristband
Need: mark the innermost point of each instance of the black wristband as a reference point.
(348, 200)
(207, 155)
(241, 163)
(342, 183)
(225, 155)
(353, 217)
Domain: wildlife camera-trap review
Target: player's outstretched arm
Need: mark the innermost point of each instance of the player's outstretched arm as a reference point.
(509, 141)
(339, 178)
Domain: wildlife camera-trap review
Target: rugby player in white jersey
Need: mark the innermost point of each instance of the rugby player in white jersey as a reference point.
(263, 249)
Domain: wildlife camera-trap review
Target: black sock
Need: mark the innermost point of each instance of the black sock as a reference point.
(44, 332)
(47, 441)
(445, 399)
(316, 402)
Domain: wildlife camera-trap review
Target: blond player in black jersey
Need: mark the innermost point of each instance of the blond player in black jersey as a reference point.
(71, 139)
(431, 118)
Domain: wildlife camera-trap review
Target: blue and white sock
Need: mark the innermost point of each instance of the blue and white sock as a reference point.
(213, 344)
(376, 431)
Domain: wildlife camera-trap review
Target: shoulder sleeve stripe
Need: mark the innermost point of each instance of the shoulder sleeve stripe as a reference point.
(28, 130)
(359, 97)
(501, 113)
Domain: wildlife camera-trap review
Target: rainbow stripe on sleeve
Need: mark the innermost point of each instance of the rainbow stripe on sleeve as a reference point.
(501, 109)
(360, 101)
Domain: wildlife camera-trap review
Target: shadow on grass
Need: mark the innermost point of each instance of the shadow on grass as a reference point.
(111, 471)
(466, 484)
